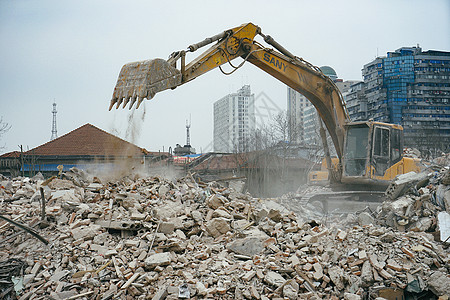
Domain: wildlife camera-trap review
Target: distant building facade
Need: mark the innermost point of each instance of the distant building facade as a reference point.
(311, 126)
(234, 121)
(302, 112)
(356, 102)
(410, 87)
(296, 105)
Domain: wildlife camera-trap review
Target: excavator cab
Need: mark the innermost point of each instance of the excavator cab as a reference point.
(372, 151)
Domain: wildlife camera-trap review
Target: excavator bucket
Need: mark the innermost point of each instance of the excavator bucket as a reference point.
(143, 79)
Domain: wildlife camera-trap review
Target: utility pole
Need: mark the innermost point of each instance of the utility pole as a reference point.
(21, 161)
(54, 131)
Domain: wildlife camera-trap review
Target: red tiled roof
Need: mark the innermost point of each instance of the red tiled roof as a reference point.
(13, 154)
(88, 140)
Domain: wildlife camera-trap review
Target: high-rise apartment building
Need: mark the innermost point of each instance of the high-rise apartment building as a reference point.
(296, 105)
(234, 121)
(409, 87)
(356, 102)
(311, 126)
(304, 115)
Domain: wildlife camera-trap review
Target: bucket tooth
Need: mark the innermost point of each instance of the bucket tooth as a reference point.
(126, 102)
(139, 102)
(132, 102)
(113, 101)
(119, 102)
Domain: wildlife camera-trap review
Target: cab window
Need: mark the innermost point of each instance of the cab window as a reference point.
(381, 142)
(396, 146)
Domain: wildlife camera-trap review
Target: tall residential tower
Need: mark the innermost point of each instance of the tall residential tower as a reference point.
(234, 121)
(303, 115)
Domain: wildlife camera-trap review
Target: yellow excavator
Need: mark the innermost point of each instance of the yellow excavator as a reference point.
(369, 152)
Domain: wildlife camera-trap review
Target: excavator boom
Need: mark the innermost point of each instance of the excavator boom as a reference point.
(140, 80)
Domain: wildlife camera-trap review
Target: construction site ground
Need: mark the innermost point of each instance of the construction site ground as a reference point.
(146, 237)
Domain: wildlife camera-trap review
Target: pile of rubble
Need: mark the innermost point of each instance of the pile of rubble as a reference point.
(151, 238)
(419, 202)
(412, 152)
(426, 157)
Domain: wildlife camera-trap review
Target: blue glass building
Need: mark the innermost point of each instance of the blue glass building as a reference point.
(409, 87)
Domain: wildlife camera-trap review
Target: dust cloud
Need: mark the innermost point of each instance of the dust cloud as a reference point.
(122, 158)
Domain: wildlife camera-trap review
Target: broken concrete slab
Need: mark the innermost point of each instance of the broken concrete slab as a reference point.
(274, 279)
(215, 201)
(443, 222)
(248, 246)
(166, 227)
(291, 290)
(404, 182)
(336, 275)
(439, 283)
(365, 219)
(158, 259)
(85, 232)
(218, 226)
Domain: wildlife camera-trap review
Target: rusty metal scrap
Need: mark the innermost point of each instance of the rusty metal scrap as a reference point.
(25, 228)
(8, 269)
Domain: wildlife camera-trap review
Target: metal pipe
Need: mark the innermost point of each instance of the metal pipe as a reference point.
(183, 65)
(42, 204)
(269, 40)
(25, 228)
(207, 41)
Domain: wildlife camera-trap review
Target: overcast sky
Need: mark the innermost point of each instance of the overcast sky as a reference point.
(71, 52)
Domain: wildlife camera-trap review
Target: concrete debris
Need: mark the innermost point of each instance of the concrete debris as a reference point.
(443, 160)
(443, 223)
(365, 219)
(249, 246)
(10, 271)
(153, 238)
(404, 182)
(422, 207)
(157, 259)
(411, 152)
(439, 283)
(274, 279)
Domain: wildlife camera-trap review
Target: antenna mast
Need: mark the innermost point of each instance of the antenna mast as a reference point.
(188, 136)
(54, 131)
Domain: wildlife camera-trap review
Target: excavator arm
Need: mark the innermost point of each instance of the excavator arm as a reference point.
(144, 79)
(310, 82)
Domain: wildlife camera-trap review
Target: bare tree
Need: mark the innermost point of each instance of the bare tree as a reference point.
(271, 149)
(271, 134)
(4, 127)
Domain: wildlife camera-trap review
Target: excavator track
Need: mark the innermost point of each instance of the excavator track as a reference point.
(341, 202)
